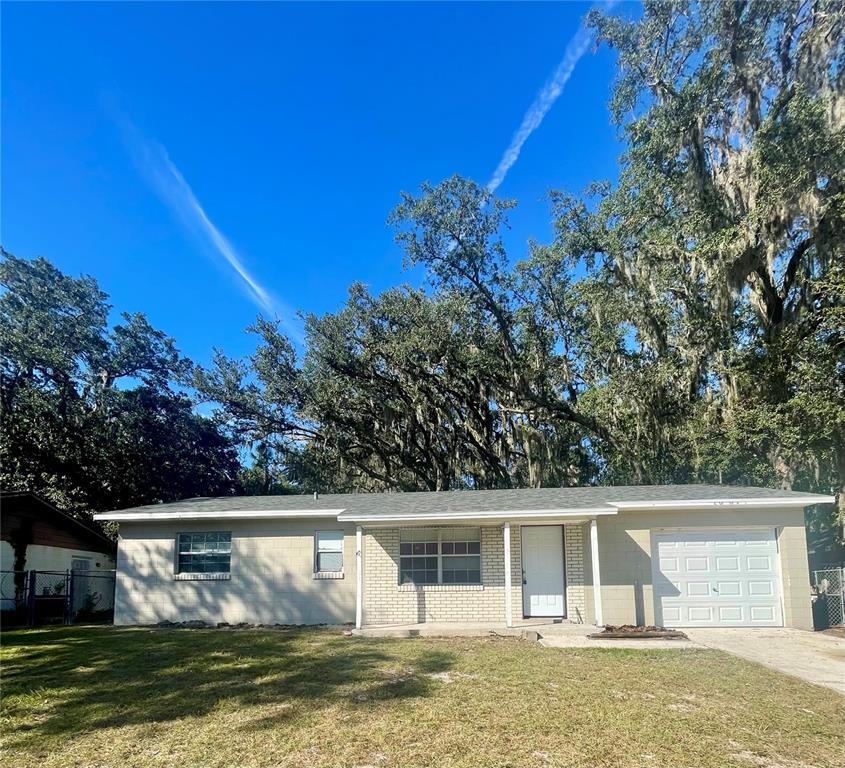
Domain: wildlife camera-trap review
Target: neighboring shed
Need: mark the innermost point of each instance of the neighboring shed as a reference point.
(35, 535)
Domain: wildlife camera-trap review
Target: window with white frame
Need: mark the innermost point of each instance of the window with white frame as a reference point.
(440, 556)
(208, 552)
(328, 552)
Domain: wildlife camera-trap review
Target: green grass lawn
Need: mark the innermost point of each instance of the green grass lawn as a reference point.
(86, 696)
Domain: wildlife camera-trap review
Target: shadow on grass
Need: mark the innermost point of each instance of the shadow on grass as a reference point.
(64, 681)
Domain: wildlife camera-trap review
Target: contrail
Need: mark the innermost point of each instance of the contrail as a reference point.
(170, 185)
(575, 49)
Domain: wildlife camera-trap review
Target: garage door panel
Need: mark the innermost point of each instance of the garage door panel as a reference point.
(762, 613)
(698, 589)
(729, 588)
(728, 578)
(730, 613)
(700, 613)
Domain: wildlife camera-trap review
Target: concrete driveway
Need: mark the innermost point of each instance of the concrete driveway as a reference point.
(813, 656)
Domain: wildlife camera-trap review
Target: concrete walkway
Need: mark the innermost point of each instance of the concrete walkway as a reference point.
(813, 656)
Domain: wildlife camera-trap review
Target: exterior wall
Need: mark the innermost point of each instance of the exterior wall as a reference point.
(45, 558)
(388, 602)
(625, 559)
(573, 540)
(271, 581)
(272, 578)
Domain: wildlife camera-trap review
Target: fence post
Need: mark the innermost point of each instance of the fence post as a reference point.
(33, 575)
(842, 594)
(69, 598)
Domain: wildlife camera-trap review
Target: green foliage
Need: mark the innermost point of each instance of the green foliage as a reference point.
(684, 325)
(89, 418)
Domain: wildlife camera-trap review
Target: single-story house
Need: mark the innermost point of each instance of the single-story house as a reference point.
(676, 555)
(37, 536)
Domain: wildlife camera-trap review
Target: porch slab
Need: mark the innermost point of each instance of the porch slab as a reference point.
(559, 634)
(457, 629)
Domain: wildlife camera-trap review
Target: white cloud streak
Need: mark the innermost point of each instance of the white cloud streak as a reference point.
(170, 185)
(578, 45)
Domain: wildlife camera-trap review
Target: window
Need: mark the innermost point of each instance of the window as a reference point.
(440, 556)
(418, 556)
(204, 552)
(461, 548)
(329, 552)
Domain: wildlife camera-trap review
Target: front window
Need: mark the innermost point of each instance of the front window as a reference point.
(204, 552)
(440, 556)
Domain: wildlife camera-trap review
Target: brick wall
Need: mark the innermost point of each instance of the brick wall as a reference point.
(388, 602)
(573, 538)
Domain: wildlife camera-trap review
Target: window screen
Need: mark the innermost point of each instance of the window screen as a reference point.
(329, 552)
(418, 554)
(440, 556)
(204, 552)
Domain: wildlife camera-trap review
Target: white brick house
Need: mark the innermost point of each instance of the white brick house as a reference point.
(685, 555)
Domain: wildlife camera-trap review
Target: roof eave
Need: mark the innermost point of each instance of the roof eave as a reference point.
(240, 514)
(770, 501)
(489, 515)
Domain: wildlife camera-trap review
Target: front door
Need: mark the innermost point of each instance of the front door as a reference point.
(542, 569)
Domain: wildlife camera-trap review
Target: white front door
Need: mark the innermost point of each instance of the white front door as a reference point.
(717, 579)
(542, 568)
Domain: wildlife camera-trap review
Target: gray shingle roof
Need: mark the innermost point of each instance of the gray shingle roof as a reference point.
(399, 504)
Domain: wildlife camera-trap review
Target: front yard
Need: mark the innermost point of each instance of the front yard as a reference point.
(85, 696)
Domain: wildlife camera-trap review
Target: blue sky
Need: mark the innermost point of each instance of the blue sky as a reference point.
(292, 127)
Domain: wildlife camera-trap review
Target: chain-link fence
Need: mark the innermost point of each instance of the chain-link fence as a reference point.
(14, 589)
(31, 598)
(91, 596)
(830, 588)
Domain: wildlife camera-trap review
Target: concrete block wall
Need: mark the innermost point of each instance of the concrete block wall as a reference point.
(271, 581)
(388, 602)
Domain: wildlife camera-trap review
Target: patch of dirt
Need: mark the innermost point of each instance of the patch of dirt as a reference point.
(835, 631)
(627, 695)
(450, 677)
(402, 675)
(752, 758)
(376, 759)
(637, 631)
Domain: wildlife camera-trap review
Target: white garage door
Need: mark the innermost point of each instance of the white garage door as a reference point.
(717, 579)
